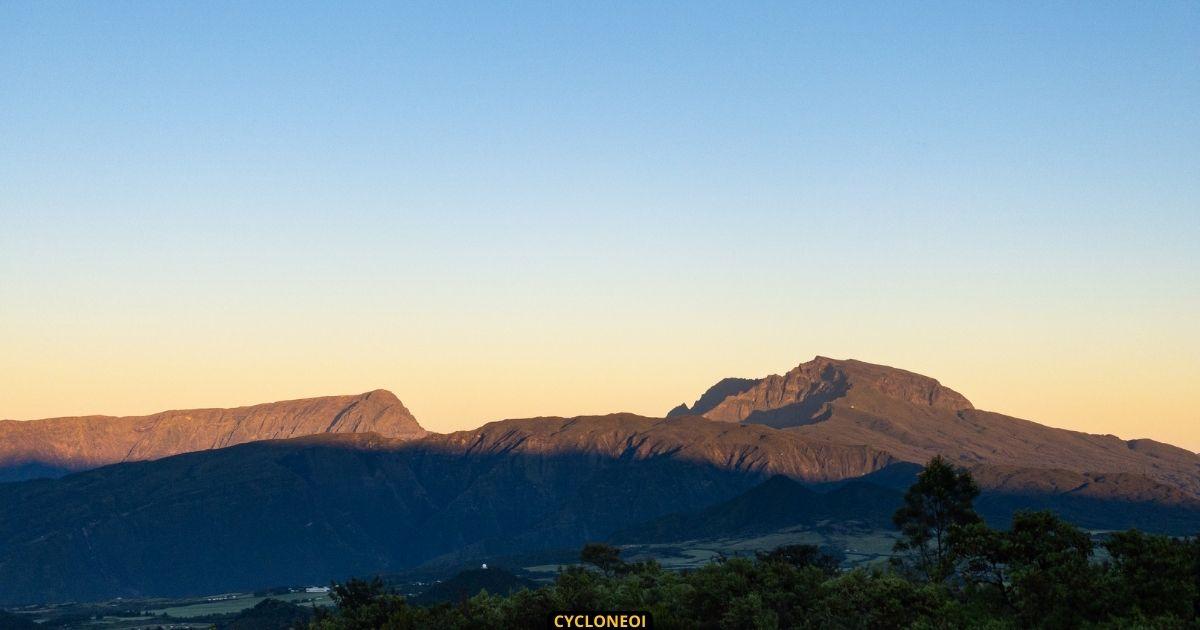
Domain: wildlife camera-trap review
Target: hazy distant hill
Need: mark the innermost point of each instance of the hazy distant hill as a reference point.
(54, 446)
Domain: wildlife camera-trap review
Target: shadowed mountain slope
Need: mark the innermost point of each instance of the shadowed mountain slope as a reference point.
(780, 503)
(1090, 500)
(914, 417)
(54, 446)
(321, 507)
(311, 509)
(776, 503)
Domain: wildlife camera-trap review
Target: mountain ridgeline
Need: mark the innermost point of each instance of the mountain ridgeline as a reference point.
(828, 441)
(56, 446)
(310, 509)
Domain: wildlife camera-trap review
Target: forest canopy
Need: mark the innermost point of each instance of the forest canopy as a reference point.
(950, 570)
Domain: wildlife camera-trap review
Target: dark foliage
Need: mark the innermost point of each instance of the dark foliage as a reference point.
(940, 501)
(468, 584)
(1156, 574)
(1040, 573)
(11, 621)
(271, 614)
(364, 605)
(803, 556)
(604, 557)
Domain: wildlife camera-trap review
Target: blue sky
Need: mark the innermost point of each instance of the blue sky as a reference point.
(642, 195)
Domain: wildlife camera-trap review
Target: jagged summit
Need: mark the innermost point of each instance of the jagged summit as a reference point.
(803, 394)
(49, 447)
(724, 388)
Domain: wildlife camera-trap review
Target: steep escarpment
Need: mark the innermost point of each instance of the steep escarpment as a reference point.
(51, 447)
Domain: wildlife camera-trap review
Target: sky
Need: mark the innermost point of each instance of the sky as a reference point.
(506, 209)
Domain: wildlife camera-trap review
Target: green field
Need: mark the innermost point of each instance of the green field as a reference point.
(233, 603)
(859, 546)
(131, 614)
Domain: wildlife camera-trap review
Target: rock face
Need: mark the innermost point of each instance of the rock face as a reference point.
(734, 448)
(51, 447)
(726, 388)
(913, 418)
(803, 394)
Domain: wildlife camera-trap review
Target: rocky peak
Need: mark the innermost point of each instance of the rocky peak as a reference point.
(803, 394)
(895, 383)
(724, 388)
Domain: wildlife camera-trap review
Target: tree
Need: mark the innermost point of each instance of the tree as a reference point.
(749, 612)
(270, 614)
(874, 599)
(357, 593)
(1053, 582)
(938, 502)
(607, 558)
(800, 556)
(985, 555)
(365, 605)
(1156, 574)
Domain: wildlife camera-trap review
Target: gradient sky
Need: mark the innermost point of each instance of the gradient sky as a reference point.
(503, 210)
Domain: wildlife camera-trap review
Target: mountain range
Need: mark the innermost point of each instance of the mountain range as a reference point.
(363, 489)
